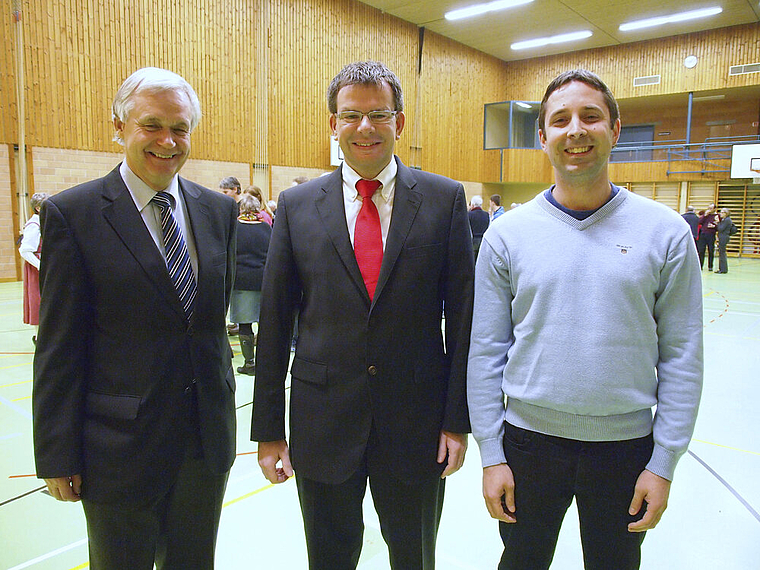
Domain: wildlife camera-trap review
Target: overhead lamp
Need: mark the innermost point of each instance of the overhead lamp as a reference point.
(478, 9)
(540, 42)
(673, 18)
(523, 105)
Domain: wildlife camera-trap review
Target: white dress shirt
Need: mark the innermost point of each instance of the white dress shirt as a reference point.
(142, 194)
(383, 197)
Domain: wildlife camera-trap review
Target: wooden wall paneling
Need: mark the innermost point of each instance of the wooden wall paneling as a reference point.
(618, 65)
(8, 81)
(701, 194)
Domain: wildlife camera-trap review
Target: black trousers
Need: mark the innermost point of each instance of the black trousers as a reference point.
(549, 472)
(706, 241)
(176, 530)
(409, 517)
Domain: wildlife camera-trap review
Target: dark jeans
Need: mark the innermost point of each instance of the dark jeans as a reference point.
(409, 517)
(549, 471)
(706, 241)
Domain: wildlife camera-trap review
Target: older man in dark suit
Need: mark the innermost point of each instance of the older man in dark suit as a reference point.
(134, 408)
(375, 253)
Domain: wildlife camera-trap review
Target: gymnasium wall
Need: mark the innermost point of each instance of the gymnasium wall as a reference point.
(261, 69)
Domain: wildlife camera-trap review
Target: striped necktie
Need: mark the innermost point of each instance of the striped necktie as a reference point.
(177, 258)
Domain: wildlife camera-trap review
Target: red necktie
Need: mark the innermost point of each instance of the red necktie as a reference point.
(368, 238)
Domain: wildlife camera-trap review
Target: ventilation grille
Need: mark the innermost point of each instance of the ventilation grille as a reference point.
(647, 80)
(742, 69)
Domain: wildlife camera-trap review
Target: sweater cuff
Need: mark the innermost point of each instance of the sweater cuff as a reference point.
(663, 462)
(492, 452)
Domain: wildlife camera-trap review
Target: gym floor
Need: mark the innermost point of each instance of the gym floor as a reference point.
(712, 521)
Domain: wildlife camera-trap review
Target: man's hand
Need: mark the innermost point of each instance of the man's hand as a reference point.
(270, 453)
(654, 490)
(453, 445)
(499, 492)
(65, 488)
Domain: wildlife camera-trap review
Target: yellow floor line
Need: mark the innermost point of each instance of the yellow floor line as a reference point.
(16, 365)
(16, 384)
(247, 495)
(727, 447)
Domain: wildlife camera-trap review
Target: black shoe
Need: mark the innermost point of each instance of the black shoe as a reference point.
(233, 329)
(249, 369)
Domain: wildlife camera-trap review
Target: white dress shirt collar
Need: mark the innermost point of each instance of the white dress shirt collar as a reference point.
(141, 193)
(386, 176)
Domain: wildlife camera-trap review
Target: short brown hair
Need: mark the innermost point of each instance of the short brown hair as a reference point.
(584, 76)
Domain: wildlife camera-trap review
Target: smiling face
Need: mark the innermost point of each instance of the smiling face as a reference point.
(156, 135)
(367, 147)
(578, 135)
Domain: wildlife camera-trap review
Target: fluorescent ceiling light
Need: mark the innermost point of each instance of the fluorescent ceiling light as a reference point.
(523, 105)
(540, 42)
(683, 16)
(478, 9)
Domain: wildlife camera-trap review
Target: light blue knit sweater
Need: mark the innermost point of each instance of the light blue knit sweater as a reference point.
(586, 326)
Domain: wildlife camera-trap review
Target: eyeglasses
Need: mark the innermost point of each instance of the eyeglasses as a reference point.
(375, 117)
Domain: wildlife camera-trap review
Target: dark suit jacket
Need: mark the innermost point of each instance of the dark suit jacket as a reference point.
(122, 382)
(359, 363)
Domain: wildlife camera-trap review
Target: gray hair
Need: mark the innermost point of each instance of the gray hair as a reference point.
(152, 79)
(477, 200)
(249, 204)
(725, 212)
(230, 183)
(37, 199)
(365, 73)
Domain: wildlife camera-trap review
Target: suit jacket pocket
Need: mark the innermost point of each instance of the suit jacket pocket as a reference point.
(308, 371)
(116, 406)
(422, 250)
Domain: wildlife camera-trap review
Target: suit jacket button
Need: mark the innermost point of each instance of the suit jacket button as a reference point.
(372, 370)
(190, 330)
(188, 389)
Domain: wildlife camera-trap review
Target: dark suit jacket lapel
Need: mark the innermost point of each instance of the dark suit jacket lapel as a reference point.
(120, 212)
(198, 213)
(332, 213)
(406, 203)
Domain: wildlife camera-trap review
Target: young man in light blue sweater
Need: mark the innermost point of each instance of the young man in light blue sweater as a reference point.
(588, 314)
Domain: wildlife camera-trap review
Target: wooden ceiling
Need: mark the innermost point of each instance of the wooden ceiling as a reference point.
(494, 32)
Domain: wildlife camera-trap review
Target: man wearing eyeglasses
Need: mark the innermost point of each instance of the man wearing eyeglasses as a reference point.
(374, 253)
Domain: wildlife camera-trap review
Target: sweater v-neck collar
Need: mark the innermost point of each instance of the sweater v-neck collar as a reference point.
(581, 225)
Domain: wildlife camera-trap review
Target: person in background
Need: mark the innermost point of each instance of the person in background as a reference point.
(479, 221)
(272, 207)
(693, 220)
(230, 186)
(726, 229)
(708, 226)
(264, 212)
(245, 304)
(30, 252)
(583, 322)
(495, 207)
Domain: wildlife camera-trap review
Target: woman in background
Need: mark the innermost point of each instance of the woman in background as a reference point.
(266, 213)
(724, 234)
(253, 236)
(30, 251)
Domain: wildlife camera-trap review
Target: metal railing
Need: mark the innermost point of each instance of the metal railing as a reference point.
(706, 154)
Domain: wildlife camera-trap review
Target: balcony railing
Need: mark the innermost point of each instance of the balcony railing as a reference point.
(709, 156)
